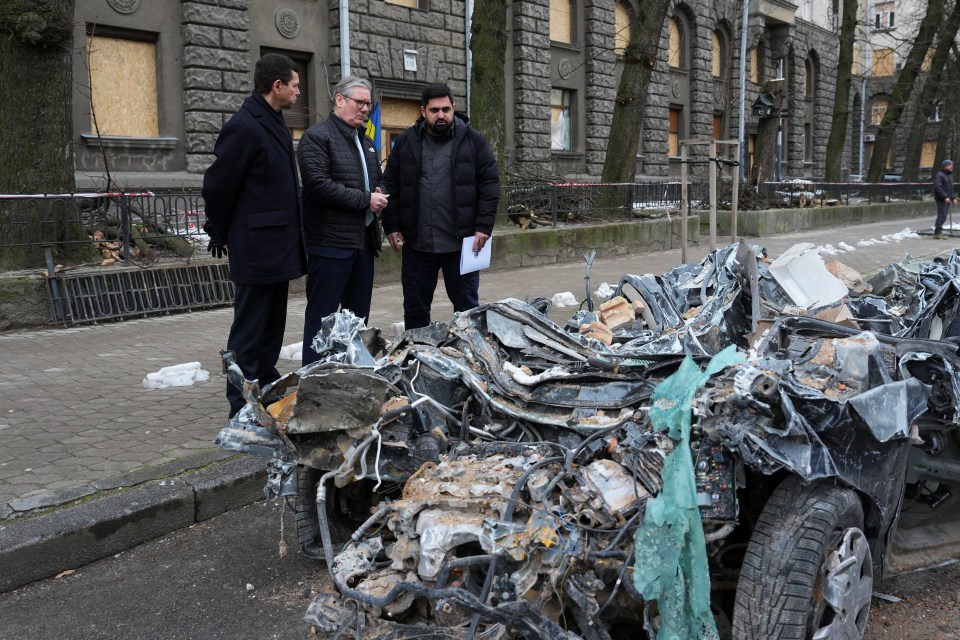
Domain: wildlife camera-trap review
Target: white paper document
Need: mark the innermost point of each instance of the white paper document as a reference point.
(470, 261)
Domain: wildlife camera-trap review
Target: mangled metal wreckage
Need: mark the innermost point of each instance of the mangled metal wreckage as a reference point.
(502, 476)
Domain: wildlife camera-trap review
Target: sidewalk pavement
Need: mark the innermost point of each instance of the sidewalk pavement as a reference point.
(92, 462)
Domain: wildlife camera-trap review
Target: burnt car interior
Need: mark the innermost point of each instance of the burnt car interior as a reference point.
(737, 448)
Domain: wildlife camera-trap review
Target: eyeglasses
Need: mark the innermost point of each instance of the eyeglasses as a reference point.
(360, 103)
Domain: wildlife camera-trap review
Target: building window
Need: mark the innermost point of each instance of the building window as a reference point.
(561, 120)
(297, 117)
(413, 4)
(675, 56)
(883, 17)
(561, 21)
(807, 142)
(928, 60)
(673, 137)
(119, 105)
(878, 110)
(928, 151)
(718, 56)
(809, 79)
(882, 62)
(936, 113)
(621, 33)
(755, 65)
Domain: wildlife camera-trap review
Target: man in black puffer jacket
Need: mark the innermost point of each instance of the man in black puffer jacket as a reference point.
(943, 195)
(340, 169)
(444, 186)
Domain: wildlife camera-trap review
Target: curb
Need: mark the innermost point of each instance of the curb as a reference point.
(35, 548)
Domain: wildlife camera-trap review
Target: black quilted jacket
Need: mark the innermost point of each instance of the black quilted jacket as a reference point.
(335, 202)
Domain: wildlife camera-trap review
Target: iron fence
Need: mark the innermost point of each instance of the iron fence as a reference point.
(558, 204)
(800, 193)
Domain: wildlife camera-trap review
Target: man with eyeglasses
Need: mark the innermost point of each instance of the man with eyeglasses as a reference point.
(340, 169)
(444, 187)
(252, 200)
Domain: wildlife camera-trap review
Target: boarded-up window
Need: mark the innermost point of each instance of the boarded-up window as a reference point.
(675, 55)
(716, 58)
(754, 65)
(882, 62)
(673, 138)
(621, 33)
(395, 116)
(928, 59)
(123, 85)
(878, 110)
(413, 4)
(561, 21)
(928, 151)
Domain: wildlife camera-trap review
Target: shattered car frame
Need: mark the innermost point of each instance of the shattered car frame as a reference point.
(503, 476)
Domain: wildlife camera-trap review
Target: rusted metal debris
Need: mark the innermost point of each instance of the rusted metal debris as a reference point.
(487, 478)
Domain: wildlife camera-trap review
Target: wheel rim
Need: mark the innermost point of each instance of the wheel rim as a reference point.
(847, 587)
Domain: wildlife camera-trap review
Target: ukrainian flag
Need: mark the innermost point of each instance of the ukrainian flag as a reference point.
(373, 126)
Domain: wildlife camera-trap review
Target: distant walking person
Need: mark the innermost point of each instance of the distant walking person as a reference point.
(341, 197)
(252, 201)
(943, 194)
(444, 186)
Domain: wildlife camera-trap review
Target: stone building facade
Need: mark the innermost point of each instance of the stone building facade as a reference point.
(562, 70)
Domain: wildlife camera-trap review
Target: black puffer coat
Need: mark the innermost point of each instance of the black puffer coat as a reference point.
(335, 202)
(476, 181)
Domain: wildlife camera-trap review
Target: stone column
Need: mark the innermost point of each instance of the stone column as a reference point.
(531, 68)
(601, 83)
(217, 72)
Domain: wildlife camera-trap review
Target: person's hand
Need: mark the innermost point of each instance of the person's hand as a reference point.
(479, 239)
(378, 200)
(215, 246)
(396, 239)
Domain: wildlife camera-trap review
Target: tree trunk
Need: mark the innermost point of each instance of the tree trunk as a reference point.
(488, 46)
(639, 58)
(36, 127)
(765, 153)
(841, 104)
(932, 85)
(902, 89)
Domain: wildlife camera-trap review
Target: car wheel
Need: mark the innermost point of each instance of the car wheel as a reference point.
(347, 508)
(808, 570)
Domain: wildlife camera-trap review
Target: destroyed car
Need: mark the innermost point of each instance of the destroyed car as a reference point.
(732, 449)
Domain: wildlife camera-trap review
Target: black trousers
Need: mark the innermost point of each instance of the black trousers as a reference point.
(337, 283)
(256, 335)
(418, 275)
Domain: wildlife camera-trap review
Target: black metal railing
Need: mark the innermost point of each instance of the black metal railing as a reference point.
(800, 193)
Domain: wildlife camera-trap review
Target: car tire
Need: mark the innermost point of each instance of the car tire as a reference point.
(808, 570)
(341, 524)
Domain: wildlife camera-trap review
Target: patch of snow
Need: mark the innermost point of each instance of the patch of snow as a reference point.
(178, 375)
(565, 299)
(845, 247)
(604, 291)
(292, 351)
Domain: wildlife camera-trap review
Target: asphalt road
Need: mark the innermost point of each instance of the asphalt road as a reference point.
(191, 584)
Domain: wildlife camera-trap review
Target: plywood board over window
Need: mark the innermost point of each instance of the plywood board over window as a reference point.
(561, 21)
(123, 87)
(928, 151)
(413, 4)
(621, 26)
(882, 62)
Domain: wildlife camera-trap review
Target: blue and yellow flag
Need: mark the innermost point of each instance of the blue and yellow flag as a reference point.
(373, 126)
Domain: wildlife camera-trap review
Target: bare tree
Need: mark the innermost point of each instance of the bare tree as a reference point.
(935, 83)
(36, 126)
(488, 44)
(903, 87)
(639, 59)
(841, 104)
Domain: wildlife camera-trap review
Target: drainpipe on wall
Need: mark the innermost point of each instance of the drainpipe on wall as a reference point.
(344, 38)
(468, 22)
(743, 88)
